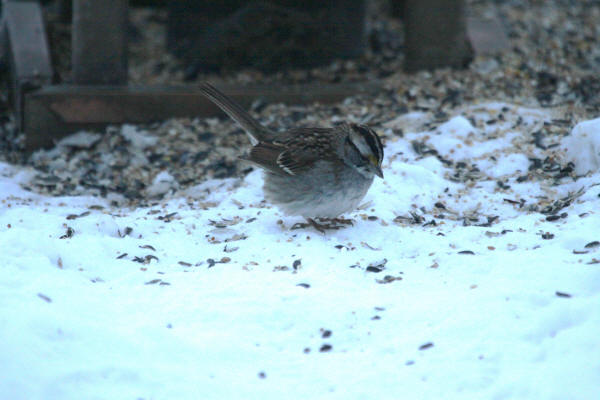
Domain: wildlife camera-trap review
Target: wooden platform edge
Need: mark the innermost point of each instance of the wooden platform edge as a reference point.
(56, 111)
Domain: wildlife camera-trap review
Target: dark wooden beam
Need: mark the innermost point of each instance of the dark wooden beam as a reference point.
(99, 42)
(55, 111)
(26, 48)
(436, 36)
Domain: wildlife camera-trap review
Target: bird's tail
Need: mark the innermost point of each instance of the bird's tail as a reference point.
(255, 130)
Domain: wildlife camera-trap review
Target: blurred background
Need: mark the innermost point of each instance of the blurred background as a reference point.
(73, 65)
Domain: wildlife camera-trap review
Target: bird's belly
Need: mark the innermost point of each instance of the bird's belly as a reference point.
(322, 195)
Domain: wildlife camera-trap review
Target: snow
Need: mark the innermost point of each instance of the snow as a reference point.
(209, 294)
(161, 185)
(583, 146)
(137, 137)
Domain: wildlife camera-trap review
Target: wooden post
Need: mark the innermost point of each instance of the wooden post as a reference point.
(436, 35)
(100, 42)
(26, 48)
(65, 10)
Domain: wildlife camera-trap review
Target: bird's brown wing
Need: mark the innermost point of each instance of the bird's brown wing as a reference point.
(278, 159)
(297, 151)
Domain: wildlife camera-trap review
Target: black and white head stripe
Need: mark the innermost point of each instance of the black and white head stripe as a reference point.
(366, 141)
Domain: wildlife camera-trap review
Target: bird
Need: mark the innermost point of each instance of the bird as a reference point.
(317, 173)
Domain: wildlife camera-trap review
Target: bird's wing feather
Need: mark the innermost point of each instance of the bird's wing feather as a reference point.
(280, 159)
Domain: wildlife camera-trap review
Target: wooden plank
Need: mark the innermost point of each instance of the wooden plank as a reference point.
(55, 111)
(99, 42)
(3, 44)
(28, 54)
(27, 41)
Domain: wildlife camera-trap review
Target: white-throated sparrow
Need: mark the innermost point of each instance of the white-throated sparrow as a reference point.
(317, 173)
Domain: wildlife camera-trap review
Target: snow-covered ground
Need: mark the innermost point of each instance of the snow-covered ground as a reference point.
(446, 287)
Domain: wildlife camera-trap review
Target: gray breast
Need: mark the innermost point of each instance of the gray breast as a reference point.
(317, 194)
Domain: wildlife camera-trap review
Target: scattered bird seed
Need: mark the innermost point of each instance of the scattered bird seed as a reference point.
(325, 333)
(236, 237)
(325, 348)
(145, 259)
(389, 279)
(426, 346)
(413, 219)
(297, 264)
(75, 216)
(496, 234)
(45, 298)
(490, 221)
(168, 217)
(368, 246)
(68, 234)
(502, 185)
(562, 294)
(557, 205)
(230, 249)
(377, 266)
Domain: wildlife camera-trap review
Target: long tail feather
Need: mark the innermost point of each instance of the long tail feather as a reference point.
(255, 130)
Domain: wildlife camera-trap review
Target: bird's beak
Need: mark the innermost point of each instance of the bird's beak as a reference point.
(376, 166)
